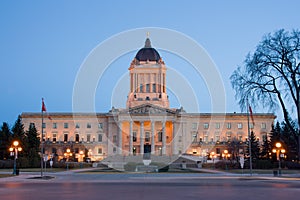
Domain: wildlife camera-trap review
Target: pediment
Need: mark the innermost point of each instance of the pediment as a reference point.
(150, 109)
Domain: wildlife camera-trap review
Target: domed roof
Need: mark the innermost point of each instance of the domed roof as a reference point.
(147, 53)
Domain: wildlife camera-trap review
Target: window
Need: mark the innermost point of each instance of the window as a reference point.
(76, 150)
(100, 150)
(240, 138)
(77, 137)
(153, 87)
(65, 137)
(263, 125)
(159, 136)
(44, 125)
(54, 150)
(194, 137)
(54, 125)
(88, 137)
(251, 126)
(31, 125)
(88, 125)
(54, 137)
(218, 150)
(228, 135)
(100, 126)
(114, 150)
(77, 125)
(141, 87)
(205, 125)
(217, 125)
(100, 138)
(66, 125)
(114, 138)
(264, 137)
(228, 125)
(147, 137)
(205, 138)
(179, 138)
(134, 136)
(194, 125)
(240, 125)
(217, 138)
(147, 87)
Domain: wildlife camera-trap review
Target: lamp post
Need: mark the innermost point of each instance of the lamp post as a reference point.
(213, 156)
(14, 151)
(278, 150)
(67, 154)
(226, 156)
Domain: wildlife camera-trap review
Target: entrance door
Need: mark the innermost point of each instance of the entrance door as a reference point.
(147, 151)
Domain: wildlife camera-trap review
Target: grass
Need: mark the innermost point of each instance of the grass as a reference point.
(261, 171)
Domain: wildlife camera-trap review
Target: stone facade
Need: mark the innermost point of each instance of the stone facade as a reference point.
(147, 126)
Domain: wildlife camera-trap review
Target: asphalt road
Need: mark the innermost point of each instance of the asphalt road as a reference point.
(149, 186)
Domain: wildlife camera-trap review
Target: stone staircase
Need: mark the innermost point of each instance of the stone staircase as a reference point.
(118, 161)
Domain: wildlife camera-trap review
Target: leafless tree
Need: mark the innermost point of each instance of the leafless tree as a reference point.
(270, 77)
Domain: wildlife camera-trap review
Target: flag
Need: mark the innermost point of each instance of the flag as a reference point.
(43, 106)
(251, 115)
(44, 109)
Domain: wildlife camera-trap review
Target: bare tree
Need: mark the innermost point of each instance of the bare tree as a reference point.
(271, 76)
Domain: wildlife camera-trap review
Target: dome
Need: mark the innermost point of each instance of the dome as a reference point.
(147, 53)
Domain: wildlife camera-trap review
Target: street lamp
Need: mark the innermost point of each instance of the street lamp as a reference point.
(67, 154)
(226, 155)
(278, 150)
(14, 151)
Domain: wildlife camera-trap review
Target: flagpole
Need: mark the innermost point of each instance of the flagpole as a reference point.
(42, 136)
(249, 139)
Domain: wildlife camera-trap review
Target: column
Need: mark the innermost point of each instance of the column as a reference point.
(174, 149)
(152, 138)
(130, 138)
(120, 138)
(142, 138)
(163, 138)
(110, 143)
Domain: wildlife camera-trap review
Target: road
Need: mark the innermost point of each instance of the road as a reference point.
(149, 186)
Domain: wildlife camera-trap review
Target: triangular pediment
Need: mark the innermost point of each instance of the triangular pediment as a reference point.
(150, 109)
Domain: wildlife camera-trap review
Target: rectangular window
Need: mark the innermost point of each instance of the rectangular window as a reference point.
(240, 125)
(217, 138)
(54, 137)
(141, 88)
(205, 138)
(31, 125)
(159, 136)
(218, 150)
(194, 126)
(44, 125)
(240, 138)
(205, 125)
(263, 125)
(88, 125)
(114, 138)
(100, 126)
(66, 125)
(134, 136)
(88, 137)
(114, 150)
(76, 137)
(65, 137)
(217, 125)
(194, 137)
(54, 150)
(77, 125)
(179, 138)
(147, 137)
(99, 150)
(264, 137)
(153, 87)
(228, 125)
(76, 150)
(148, 88)
(100, 138)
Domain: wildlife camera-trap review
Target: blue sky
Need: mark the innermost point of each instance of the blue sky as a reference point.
(44, 43)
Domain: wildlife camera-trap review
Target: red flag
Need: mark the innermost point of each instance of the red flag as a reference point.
(44, 109)
(251, 115)
(43, 106)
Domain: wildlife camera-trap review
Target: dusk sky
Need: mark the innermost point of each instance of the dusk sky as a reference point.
(45, 43)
